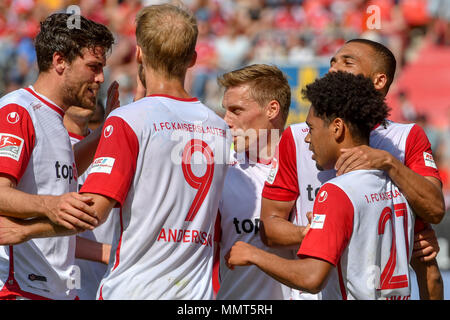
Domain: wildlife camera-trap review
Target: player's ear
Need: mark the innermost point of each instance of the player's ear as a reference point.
(193, 60)
(273, 109)
(379, 81)
(59, 62)
(138, 54)
(338, 129)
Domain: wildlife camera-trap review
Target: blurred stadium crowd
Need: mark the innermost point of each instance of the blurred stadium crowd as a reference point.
(233, 33)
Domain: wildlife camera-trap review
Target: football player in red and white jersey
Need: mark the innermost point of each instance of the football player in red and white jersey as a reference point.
(163, 160)
(92, 246)
(256, 103)
(362, 226)
(402, 150)
(38, 167)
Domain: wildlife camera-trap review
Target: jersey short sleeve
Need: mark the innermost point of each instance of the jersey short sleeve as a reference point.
(114, 162)
(331, 225)
(282, 182)
(17, 140)
(418, 154)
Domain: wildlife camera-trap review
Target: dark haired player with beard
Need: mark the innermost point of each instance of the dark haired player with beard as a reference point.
(358, 217)
(38, 168)
(401, 150)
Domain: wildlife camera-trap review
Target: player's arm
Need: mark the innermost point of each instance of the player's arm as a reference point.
(429, 279)
(306, 274)
(69, 210)
(84, 150)
(275, 228)
(15, 231)
(279, 195)
(91, 250)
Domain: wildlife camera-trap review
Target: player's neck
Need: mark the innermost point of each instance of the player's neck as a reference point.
(267, 144)
(157, 83)
(48, 86)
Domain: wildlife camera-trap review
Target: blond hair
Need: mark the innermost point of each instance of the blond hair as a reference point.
(266, 83)
(167, 35)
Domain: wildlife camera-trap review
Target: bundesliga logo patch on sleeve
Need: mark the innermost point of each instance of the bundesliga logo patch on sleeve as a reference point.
(10, 146)
(429, 161)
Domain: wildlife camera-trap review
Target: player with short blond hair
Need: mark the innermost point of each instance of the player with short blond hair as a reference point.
(256, 99)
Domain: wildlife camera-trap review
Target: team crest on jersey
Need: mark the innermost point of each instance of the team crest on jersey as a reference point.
(429, 160)
(318, 221)
(108, 131)
(102, 165)
(322, 196)
(10, 146)
(13, 117)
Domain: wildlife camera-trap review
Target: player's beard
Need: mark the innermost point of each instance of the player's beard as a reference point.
(83, 95)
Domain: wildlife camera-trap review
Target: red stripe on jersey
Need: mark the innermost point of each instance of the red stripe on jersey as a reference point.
(100, 296)
(76, 136)
(174, 98)
(48, 103)
(216, 260)
(11, 288)
(116, 264)
(15, 161)
(285, 185)
(341, 281)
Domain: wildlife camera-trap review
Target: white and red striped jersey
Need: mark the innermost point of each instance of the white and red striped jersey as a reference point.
(295, 177)
(239, 210)
(35, 150)
(164, 160)
(364, 229)
(92, 272)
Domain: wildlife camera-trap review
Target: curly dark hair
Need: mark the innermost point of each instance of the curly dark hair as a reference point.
(56, 35)
(350, 97)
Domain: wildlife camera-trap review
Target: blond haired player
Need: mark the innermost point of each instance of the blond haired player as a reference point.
(256, 101)
(362, 226)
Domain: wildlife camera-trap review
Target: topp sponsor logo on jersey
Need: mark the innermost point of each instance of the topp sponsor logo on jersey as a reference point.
(66, 171)
(102, 165)
(10, 146)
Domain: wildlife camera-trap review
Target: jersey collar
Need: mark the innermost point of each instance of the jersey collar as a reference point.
(45, 100)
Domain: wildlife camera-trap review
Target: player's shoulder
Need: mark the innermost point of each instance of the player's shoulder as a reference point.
(392, 127)
(357, 179)
(18, 97)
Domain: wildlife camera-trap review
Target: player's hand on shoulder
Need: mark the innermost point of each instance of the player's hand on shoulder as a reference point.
(71, 211)
(361, 157)
(426, 246)
(112, 98)
(12, 231)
